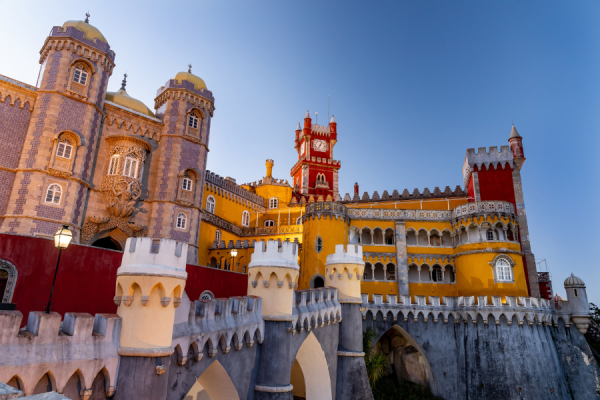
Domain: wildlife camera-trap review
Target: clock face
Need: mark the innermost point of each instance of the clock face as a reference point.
(319, 145)
(302, 148)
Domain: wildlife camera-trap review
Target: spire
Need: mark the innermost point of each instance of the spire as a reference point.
(307, 114)
(299, 127)
(190, 68)
(124, 82)
(332, 120)
(87, 17)
(514, 133)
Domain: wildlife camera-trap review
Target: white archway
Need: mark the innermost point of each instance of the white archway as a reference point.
(213, 384)
(313, 364)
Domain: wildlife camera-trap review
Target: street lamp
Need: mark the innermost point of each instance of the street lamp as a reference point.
(233, 254)
(62, 238)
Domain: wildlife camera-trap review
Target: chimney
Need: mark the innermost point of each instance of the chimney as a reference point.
(269, 164)
(356, 188)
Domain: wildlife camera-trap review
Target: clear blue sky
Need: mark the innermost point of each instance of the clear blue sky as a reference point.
(413, 84)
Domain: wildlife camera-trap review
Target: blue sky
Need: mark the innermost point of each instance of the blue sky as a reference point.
(413, 84)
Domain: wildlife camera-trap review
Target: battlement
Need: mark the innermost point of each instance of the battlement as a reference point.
(273, 257)
(148, 256)
(492, 158)
(525, 309)
(406, 195)
(218, 322)
(48, 345)
(354, 255)
(234, 188)
(314, 308)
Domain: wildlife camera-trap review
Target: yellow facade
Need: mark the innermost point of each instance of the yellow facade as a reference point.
(439, 262)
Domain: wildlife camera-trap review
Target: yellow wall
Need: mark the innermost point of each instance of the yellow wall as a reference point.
(332, 231)
(283, 193)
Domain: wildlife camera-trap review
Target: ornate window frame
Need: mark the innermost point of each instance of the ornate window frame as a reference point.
(47, 191)
(494, 265)
(62, 166)
(75, 86)
(182, 221)
(210, 205)
(9, 291)
(187, 196)
(273, 203)
(218, 236)
(199, 118)
(318, 244)
(269, 223)
(245, 218)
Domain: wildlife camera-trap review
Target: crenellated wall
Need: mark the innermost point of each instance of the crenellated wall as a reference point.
(81, 344)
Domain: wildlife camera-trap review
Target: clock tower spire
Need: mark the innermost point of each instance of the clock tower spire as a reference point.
(316, 172)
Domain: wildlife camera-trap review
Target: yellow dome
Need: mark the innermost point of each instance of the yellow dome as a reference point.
(122, 98)
(90, 32)
(188, 76)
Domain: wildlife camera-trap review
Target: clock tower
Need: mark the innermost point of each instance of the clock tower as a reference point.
(316, 172)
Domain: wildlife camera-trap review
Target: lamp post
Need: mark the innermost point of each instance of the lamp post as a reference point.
(62, 238)
(233, 254)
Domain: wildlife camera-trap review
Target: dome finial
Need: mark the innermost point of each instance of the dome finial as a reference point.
(124, 81)
(190, 68)
(87, 17)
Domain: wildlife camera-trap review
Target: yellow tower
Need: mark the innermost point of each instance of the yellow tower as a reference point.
(325, 225)
(343, 270)
(150, 282)
(273, 275)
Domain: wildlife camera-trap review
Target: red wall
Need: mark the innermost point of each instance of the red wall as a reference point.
(87, 277)
(496, 184)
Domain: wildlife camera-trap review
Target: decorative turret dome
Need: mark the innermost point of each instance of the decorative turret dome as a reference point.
(90, 32)
(574, 281)
(123, 99)
(188, 76)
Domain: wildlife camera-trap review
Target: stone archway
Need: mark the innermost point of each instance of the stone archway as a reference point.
(405, 357)
(8, 281)
(213, 384)
(310, 373)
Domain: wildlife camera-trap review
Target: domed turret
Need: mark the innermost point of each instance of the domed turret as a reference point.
(188, 76)
(90, 32)
(574, 281)
(123, 99)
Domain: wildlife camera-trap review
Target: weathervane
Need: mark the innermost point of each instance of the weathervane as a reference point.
(87, 17)
(124, 82)
(190, 68)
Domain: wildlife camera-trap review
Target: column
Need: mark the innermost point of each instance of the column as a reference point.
(402, 259)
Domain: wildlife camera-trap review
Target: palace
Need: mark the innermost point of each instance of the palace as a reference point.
(195, 264)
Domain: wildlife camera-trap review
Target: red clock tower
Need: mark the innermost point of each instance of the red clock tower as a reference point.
(316, 172)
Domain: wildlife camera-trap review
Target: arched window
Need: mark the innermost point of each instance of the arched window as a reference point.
(318, 244)
(80, 76)
(54, 194)
(130, 167)
(273, 202)
(207, 295)
(503, 270)
(64, 150)
(181, 221)
(436, 274)
(218, 236)
(8, 280)
(269, 222)
(490, 234)
(210, 204)
(434, 239)
(186, 184)
(193, 123)
(245, 218)
(113, 165)
(299, 221)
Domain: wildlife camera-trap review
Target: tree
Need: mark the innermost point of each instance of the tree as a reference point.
(375, 362)
(595, 311)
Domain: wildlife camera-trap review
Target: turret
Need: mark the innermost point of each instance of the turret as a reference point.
(298, 134)
(150, 282)
(516, 146)
(356, 188)
(578, 303)
(333, 128)
(273, 275)
(269, 164)
(343, 270)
